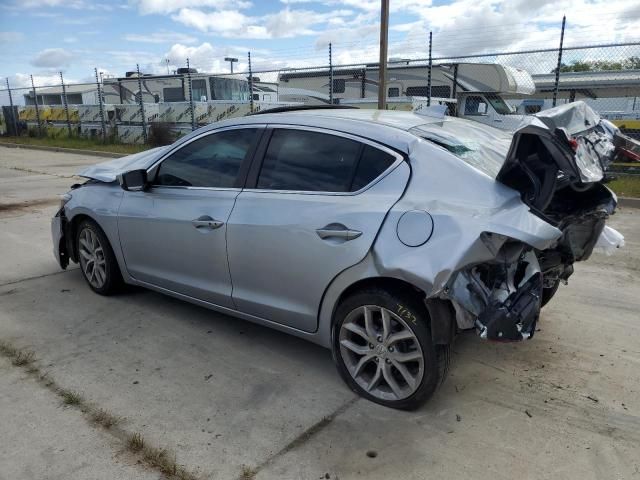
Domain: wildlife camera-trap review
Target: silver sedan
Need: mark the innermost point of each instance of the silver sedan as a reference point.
(377, 234)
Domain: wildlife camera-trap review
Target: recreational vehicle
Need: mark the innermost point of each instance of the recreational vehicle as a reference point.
(470, 90)
(175, 88)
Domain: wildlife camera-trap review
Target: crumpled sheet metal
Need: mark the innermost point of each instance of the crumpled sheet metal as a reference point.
(595, 137)
(461, 212)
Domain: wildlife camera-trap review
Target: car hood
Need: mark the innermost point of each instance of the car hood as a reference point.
(108, 171)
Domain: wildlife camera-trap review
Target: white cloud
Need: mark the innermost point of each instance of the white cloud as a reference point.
(160, 37)
(286, 23)
(23, 80)
(204, 57)
(146, 7)
(224, 22)
(52, 58)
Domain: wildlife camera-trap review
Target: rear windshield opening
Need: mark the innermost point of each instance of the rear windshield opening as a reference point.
(480, 146)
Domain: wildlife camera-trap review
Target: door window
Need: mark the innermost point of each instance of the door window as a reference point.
(475, 106)
(318, 162)
(211, 161)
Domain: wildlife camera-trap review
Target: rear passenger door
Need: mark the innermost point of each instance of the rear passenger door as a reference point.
(313, 205)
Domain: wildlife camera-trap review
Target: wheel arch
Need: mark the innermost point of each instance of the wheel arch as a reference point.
(440, 312)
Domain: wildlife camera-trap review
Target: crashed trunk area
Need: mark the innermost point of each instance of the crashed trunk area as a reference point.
(558, 170)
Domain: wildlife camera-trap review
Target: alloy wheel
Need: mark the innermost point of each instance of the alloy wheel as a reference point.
(381, 352)
(92, 260)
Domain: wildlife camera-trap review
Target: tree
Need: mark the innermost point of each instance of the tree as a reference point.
(630, 63)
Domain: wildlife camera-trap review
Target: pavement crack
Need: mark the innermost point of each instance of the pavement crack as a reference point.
(13, 282)
(156, 458)
(307, 434)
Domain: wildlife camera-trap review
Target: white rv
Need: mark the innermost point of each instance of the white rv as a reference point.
(470, 90)
(175, 88)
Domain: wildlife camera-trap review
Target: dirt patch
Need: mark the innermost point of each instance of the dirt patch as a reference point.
(26, 206)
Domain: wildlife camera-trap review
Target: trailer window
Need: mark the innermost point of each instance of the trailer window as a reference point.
(199, 89)
(394, 92)
(338, 85)
(229, 89)
(173, 94)
(441, 91)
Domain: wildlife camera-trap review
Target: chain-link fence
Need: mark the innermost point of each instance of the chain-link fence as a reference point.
(493, 88)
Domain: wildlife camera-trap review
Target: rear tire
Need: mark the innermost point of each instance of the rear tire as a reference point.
(97, 261)
(383, 350)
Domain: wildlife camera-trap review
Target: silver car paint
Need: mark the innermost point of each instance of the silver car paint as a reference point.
(162, 246)
(280, 265)
(459, 217)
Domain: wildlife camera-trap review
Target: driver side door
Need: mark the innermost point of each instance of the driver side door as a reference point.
(173, 234)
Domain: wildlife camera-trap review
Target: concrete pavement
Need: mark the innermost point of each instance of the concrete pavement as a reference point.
(229, 397)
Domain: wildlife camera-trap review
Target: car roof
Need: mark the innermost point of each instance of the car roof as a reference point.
(389, 127)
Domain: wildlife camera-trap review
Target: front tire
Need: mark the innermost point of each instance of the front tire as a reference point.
(383, 350)
(97, 261)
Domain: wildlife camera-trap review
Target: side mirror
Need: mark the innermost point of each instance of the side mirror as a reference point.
(134, 180)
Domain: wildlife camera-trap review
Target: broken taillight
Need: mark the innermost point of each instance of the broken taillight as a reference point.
(573, 143)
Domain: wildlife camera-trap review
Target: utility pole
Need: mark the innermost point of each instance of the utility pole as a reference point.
(384, 34)
(166, 60)
(231, 61)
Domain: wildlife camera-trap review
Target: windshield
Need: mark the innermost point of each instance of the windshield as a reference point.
(499, 105)
(481, 146)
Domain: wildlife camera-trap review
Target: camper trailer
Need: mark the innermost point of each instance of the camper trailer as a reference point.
(470, 90)
(175, 88)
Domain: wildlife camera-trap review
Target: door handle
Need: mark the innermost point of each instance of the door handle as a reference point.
(206, 222)
(338, 231)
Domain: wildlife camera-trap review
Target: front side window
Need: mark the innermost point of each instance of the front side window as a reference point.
(475, 106)
(211, 161)
(318, 162)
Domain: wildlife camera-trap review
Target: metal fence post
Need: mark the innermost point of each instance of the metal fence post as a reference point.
(454, 95)
(13, 113)
(330, 76)
(102, 122)
(557, 80)
(191, 108)
(430, 68)
(144, 119)
(66, 105)
(35, 101)
(250, 84)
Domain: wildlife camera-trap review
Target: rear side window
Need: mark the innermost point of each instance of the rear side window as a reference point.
(372, 163)
(212, 161)
(318, 162)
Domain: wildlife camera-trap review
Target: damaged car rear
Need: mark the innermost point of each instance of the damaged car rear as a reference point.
(556, 161)
(377, 234)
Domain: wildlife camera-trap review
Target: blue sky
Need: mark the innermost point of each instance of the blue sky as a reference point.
(42, 37)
